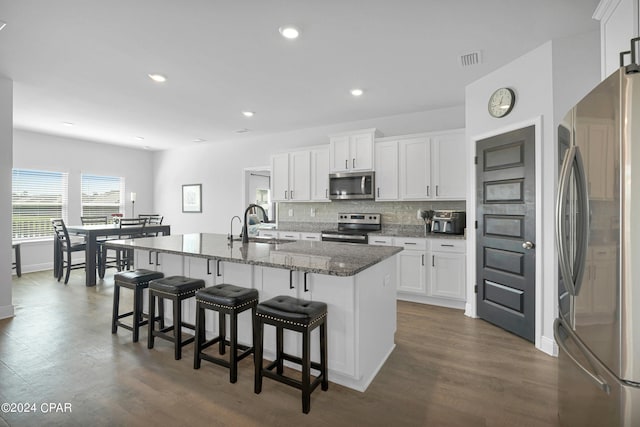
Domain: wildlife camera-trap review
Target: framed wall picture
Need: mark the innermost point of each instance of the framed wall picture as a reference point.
(192, 198)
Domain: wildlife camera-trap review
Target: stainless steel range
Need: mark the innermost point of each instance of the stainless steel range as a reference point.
(353, 228)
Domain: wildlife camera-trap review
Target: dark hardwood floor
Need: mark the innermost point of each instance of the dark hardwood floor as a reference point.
(446, 370)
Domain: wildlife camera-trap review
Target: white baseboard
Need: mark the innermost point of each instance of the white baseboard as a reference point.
(470, 311)
(549, 346)
(442, 302)
(32, 268)
(6, 311)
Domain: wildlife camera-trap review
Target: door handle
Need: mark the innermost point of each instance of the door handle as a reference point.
(346, 163)
(427, 191)
(528, 245)
(436, 190)
(353, 163)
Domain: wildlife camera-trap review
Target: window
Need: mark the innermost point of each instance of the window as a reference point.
(102, 195)
(36, 198)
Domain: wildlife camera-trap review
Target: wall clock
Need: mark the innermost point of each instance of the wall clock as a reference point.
(501, 102)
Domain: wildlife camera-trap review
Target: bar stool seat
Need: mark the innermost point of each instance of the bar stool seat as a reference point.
(285, 312)
(136, 280)
(225, 299)
(176, 289)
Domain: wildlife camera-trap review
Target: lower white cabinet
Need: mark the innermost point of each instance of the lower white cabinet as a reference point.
(412, 276)
(430, 270)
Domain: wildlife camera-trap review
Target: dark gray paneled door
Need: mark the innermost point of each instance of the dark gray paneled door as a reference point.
(506, 232)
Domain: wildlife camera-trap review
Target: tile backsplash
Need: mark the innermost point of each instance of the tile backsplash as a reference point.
(393, 213)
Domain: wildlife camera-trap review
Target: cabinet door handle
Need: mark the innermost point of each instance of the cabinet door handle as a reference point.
(291, 194)
(291, 279)
(427, 191)
(436, 190)
(422, 259)
(346, 163)
(443, 245)
(150, 262)
(306, 289)
(208, 266)
(433, 260)
(218, 268)
(353, 163)
(378, 191)
(285, 194)
(157, 262)
(326, 193)
(410, 243)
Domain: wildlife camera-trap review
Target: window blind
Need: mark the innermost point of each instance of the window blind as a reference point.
(102, 195)
(36, 198)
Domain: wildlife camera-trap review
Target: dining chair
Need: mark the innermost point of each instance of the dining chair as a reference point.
(130, 228)
(152, 219)
(66, 248)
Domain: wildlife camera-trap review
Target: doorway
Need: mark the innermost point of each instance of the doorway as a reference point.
(257, 189)
(506, 231)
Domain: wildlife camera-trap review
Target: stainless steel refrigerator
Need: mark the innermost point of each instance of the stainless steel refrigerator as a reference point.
(598, 241)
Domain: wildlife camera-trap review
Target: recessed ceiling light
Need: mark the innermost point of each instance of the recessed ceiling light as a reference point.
(67, 123)
(356, 92)
(199, 140)
(139, 138)
(243, 130)
(289, 31)
(2, 25)
(146, 147)
(248, 113)
(157, 78)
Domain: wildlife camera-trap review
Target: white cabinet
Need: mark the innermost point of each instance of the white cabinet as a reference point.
(386, 168)
(412, 276)
(352, 151)
(290, 176)
(447, 269)
(320, 174)
(415, 168)
(448, 169)
(432, 166)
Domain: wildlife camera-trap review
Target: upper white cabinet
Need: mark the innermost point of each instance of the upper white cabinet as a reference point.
(415, 168)
(290, 176)
(352, 151)
(386, 168)
(448, 171)
(432, 167)
(320, 174)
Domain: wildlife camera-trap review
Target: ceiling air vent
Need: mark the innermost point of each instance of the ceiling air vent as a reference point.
(470, 59)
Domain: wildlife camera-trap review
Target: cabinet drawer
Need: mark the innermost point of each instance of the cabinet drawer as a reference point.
(411, 243)
(448, 245)
(381, 240)
(266, 233)
(288, 235)
(314, 237)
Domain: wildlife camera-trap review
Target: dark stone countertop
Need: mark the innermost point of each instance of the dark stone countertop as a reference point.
(335, 259)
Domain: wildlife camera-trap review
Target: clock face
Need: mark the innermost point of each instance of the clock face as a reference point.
(501, 102)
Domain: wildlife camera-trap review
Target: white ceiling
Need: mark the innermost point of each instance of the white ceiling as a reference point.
(86, 61)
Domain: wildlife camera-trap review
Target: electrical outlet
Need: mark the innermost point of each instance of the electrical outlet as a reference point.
(290, 212)
(419, 214)
(312, 213)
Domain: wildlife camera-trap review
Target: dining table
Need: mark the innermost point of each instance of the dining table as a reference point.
(92, 232)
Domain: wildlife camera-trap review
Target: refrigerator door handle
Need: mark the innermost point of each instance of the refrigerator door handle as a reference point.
(561, 242)
(561, 343)
(583, 220)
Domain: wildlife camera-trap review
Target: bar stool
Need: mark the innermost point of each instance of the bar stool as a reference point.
(176, 289)
(285, 312)
(137, 281)
(225, 299)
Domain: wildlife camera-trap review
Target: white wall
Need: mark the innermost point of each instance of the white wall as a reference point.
(547, 81)
(6, 147)
(219, 166)
(47, 152)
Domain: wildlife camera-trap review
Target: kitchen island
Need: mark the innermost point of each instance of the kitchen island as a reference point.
(358, 283)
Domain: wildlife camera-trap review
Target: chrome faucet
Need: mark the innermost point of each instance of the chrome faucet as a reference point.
(230, 237)
(245, 227)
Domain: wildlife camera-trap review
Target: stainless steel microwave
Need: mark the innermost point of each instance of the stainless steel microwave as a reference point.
(351, 186)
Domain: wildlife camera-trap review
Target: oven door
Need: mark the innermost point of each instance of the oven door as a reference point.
(345, 238)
